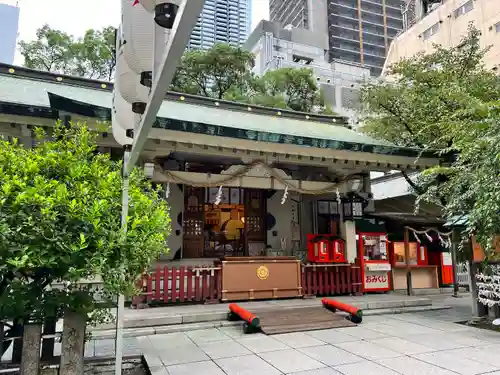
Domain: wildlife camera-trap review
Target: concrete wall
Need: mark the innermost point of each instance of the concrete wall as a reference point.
(485, 15)
(318, 20)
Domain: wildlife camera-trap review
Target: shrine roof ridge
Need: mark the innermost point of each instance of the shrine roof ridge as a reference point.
(20, 72)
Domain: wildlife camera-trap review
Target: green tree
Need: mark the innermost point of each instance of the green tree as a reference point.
(60, 207)
(95, 54)
(56, 51)
(215, 72)
(224, 72)
(295, 87)
(446, 101)
(51, 51)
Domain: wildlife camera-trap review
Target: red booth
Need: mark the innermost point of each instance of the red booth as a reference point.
(325, 248)
(374, 261)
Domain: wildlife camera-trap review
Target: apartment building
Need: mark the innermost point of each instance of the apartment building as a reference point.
(358, 31)
(9, 25)
(445, 23)
(277, 47)
(222, 21)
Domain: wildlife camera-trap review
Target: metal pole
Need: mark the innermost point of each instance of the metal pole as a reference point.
(120, 311)
(454, 263)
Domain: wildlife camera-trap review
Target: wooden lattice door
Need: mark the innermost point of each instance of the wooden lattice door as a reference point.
(194, 203)
(255, 213)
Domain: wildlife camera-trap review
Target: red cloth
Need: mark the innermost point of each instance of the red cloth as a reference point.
(135, 2)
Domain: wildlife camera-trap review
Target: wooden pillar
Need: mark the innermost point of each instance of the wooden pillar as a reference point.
(30, 363)
(409, 287)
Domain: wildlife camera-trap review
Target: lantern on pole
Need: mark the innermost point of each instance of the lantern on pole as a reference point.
(138, 33)
(352, 207)
(164, 11)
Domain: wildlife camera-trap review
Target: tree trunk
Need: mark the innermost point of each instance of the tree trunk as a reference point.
(478, 309)
(30, 362)
(73, 343)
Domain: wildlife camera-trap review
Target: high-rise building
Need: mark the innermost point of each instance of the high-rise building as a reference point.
(222, 21)
(359, 31)
(277, 47)
(9, 25)
(446, 23)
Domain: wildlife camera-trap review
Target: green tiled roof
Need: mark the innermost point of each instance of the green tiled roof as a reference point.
(31, 90)
(34, 92)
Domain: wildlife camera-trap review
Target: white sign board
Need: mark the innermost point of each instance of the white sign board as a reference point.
(376, 280)
(378, 266)
(447, 259)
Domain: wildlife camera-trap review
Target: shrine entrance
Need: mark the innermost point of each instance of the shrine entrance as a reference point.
(223, 222)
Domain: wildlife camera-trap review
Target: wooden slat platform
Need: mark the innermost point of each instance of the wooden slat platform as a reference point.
(302, 319)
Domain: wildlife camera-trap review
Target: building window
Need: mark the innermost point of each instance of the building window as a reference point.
(466, 8)
(431, 31)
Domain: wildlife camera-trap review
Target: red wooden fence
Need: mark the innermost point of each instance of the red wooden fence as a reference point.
(203, 284)
(327, 280)
(178, 285)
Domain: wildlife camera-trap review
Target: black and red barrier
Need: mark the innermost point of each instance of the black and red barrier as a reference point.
(355, 314)
(252, 322)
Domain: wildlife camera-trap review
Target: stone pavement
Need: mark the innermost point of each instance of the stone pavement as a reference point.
(202, 313)
(414, 343)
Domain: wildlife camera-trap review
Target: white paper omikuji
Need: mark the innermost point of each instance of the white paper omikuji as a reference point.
(489, 288)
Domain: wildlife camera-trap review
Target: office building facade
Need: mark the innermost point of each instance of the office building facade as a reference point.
(9, 26)
(222, 21)
(359, 31)
(446, 23)
(277, 47)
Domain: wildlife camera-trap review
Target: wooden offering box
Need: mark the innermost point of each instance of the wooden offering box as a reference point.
(248, 278)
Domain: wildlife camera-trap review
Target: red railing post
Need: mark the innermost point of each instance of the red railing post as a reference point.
(189, 277)
(149, 288)
(173, 285)
(158, 284)
(182, 290)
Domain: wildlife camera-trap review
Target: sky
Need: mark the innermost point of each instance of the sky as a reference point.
(76, 16)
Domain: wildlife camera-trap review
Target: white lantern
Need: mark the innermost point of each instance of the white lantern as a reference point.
(123, 111)
(128, 85)
(138, 33)
(119, 133)
(165, 11)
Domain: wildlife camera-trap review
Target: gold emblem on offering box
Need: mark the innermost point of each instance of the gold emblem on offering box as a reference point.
(262, 272)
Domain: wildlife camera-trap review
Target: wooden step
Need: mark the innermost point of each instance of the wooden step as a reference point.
(301, 319)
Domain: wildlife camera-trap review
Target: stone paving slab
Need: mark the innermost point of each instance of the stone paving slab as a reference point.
(380, 345)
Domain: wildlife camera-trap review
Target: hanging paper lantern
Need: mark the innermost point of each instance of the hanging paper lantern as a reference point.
(138, 33)
(119, 133)
(129, 86)
(123, 110)
(164, 10)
